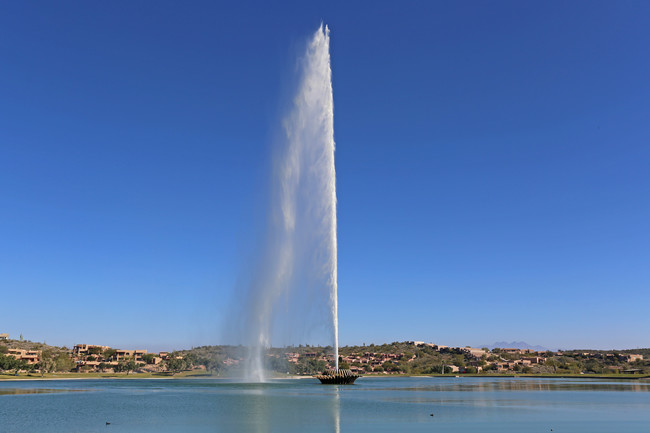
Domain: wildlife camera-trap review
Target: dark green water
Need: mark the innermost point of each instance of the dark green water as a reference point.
(372, 405)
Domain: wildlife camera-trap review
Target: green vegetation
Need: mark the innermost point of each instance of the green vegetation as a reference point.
(8, 363)
(403, 358)
(126, 366)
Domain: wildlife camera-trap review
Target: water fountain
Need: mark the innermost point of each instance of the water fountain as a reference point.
(297, 274)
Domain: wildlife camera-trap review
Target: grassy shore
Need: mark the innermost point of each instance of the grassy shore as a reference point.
(204, 375)
(74, 376)
(556, 376)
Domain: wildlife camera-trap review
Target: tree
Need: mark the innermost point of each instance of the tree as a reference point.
(190, 360)
(390, 366)
(551, 362)
(129, 366)
(175, 364)
(593, 366)
(95, 351)
(20, 364)
(125, 366)
(46, 363)
(212, 365)
(276, 364)
(63, 362)
(7, 362)
(307, 366)
(148, 358)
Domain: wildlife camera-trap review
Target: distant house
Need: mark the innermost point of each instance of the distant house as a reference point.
(30, 356)
(423, 344)
(87, 366)
(292, 357)
(136, 355)
(4, 336)
(614, 368)
(533, 360)
(473, 352)
(84, 349)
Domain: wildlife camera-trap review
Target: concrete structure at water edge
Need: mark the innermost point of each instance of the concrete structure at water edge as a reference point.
(337, 377)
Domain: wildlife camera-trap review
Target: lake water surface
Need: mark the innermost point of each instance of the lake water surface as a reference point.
(303, 405)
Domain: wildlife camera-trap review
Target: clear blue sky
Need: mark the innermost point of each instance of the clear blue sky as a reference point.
(493, 165)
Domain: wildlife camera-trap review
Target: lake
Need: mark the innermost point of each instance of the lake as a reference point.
(391, 404)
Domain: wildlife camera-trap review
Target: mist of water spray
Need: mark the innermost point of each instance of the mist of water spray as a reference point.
(293, 287)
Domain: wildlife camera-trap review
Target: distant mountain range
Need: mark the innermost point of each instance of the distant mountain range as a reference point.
(515, 345)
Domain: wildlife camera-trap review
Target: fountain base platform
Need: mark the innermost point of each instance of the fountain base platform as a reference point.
(337, 377)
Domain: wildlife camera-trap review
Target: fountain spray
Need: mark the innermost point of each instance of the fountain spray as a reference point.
(296, 277)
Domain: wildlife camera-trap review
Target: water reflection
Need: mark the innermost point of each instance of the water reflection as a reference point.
(260, 413)
(524, 384)
(289, 405)
(285, 406)
(373, 404)
(336, 409)
(15, 391)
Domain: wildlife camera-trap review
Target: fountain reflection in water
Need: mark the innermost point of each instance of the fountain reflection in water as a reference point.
(293, 287)
(336, 411)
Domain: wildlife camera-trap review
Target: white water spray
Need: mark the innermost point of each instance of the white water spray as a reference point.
(294, 287)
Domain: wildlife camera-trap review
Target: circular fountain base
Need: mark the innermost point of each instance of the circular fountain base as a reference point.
(337, 377)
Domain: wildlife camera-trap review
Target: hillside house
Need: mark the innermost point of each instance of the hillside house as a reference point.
(122, 354)
(82, 350)
(30, 356)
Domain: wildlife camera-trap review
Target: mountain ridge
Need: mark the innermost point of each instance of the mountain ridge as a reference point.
(515, 345)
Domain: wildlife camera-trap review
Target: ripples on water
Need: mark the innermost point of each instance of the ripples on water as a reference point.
(373, 404)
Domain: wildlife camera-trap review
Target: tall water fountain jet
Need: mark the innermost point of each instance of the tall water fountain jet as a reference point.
(296, 276)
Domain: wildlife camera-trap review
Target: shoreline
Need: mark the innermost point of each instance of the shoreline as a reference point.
(136, 376)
